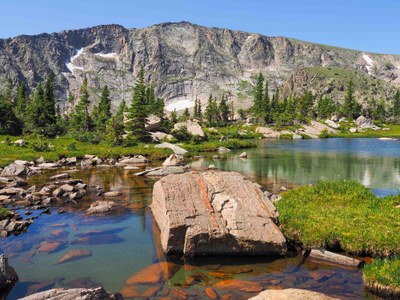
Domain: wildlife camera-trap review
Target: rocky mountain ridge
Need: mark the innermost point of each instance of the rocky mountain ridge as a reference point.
(182, 60)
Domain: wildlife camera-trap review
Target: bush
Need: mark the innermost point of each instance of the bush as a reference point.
(324, 134)
(130, 141)
(4, 213)
(40, 146)
(72, 146)
(182, 134)
(88, 137)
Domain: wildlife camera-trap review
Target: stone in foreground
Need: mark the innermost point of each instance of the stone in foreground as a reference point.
(72, 294)
(8, 276)
(290, 294)
(215, 213)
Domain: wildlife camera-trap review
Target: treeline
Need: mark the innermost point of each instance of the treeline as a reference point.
(291, 110)
(37, 112)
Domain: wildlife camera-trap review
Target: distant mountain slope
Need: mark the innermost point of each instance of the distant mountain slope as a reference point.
(183, 60)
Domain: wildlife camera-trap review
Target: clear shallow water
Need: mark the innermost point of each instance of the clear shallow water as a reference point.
(373, 162)
(124, 243)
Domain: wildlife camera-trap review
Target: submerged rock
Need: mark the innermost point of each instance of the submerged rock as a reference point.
(289, 294)
(75, 255)
(215, 213)
(100, 207)
(72, 294)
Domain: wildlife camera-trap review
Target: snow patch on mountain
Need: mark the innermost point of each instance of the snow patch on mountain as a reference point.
(71, 67)
(369, 62)
(108, 55)
(179, 105)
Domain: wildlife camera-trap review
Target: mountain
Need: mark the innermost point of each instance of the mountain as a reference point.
(185, 61)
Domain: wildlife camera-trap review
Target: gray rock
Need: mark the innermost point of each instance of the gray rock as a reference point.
(137, 159)
(160, 136)
(112, 194)
(215, 213)
(17, 170)
(67, 188)
(291, 294)
(177, 150)
(223, 149)
(101, 207)
(60, 176)
(192, 127)
(48, 165)
(20, 143)
(243, 155)
(8, 276)
(173, 160)
(153, 123)
(72, 294)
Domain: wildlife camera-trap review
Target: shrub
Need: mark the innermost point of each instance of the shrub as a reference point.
(182, 134)
(40, 146)
(88, 137)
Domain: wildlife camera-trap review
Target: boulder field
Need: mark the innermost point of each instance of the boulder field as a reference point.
(215, 213)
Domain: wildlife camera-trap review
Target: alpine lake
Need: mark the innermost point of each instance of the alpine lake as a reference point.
(125, 242)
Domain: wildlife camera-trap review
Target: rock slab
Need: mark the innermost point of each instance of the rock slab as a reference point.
(215, 213)
(72, 294)
(290, 294)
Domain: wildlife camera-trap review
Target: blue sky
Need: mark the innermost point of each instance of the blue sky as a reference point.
(369, 25)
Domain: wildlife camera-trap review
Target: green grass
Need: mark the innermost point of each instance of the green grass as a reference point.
(69, 147)
(341, 215)
(4, 213)
(394, 132)
(383, 271)
(212, 146)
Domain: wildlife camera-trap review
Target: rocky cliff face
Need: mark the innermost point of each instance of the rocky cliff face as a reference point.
(182, 60)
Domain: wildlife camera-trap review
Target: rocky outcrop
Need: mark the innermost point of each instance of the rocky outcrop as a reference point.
(215, 213)
(8, 276)
(16, 169)
(192, 127)
(290, 294)
(183, 60)
(366, 123)
(73, 294)
(177, 150)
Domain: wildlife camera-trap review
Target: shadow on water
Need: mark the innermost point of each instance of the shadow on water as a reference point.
(127, 242)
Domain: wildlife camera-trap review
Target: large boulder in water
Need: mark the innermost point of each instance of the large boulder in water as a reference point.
(8, 276)
(16, 169)
(289, 294)
(72, 294)
(215, 213)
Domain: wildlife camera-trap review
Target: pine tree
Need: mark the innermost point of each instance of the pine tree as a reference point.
(138, 112)
(49, 102)
(103, 113)
(80, 119)
(266, 105)
(8, 93)
(185, 115)
(9, 123)
(258, 96)
(275, 102)
(223, 111)
(396, 104)
(351, 109)
(20, 101)
(197, 110)
(114, 129)
(211, 112)
(304, 107)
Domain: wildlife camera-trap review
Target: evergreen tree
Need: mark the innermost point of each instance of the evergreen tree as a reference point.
(20, 101)
(197, 110)
(396, 104)
(9, 123)
(49, 103)
(304, 107)
(258, 97)
(266, 105)
(80, 120)
(211, 112)
(275, 102)
(138, 112)
(185, 115)
(8, 93)
(351, 109)
(103, 113)
(223, 111)
(114, 129)
(325, 107)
